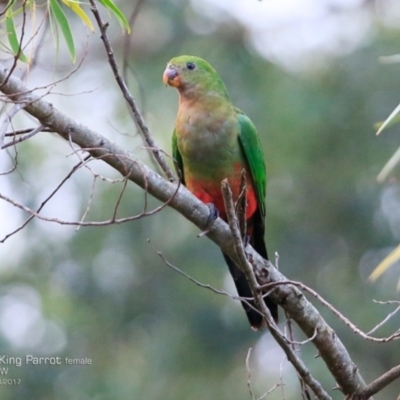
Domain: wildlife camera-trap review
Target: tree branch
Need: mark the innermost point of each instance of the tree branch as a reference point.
(302, 286)
(289, 297)
(137, 116)
(377, 385)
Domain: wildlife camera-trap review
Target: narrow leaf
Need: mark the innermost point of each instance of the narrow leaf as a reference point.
(77, 9)
(388, 119)
(395, 58)
(385, 264)
(389, 166)
(109, 4)
(394, 121)
(13, 38)
(62, 21)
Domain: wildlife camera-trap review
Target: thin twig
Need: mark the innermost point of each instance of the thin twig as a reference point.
(110, 221)
(233, 222)
(241, 204)
(290, 338)
(33, 132)
(73, 170)
(378, 384)
(121, 194)
(7, 120)
(126, 56)
(19, 52)
(190, 278)
(390, 315)
(249, 385)
(138, 118)
(89, 202)
(246, 267)
(198, 283)
(10, 3)
(394, 336)
(18, 132)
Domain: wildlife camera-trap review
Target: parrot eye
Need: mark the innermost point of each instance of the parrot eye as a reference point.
(190, 66)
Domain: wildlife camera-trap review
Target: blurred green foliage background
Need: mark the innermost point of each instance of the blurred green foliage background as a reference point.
(312, 83)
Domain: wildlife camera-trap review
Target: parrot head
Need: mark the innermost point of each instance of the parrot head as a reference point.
(191, 74)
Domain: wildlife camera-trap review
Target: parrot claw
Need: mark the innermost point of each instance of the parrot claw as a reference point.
(214, 213)
(212, 216)
(246, 240)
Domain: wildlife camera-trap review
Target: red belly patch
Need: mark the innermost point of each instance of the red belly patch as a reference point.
(209, 192)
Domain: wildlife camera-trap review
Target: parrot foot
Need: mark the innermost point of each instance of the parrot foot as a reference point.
(212, 216)
(246, 240)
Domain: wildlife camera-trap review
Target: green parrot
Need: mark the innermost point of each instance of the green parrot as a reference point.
(213, 140)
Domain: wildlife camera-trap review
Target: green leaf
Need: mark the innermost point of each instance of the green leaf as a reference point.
(109, 4)
(13, 38)
(62, 21)
(77, 9)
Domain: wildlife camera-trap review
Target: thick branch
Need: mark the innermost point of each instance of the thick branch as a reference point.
(294, 302)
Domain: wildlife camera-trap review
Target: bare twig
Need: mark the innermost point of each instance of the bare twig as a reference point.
(386, 319)
(138, 118)
(89, 203)
(249, 385)
(246, 267)
(127, 52)
(7, 120)
(18, 132)
(73, 170)
(196, 282)
(19, 52)
(233, 222)
(271, 390)
(241, 204)
(6, 8)
(190, 278)
(33, 132)
(394, 336)
(377, 385)
(290, 338)
(117, 204)
(107, 222)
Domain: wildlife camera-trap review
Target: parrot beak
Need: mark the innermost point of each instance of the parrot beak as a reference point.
(171, 77)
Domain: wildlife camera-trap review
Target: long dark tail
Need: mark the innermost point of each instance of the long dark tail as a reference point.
(242, 286)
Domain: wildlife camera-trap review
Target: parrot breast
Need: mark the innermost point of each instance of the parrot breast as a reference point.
(208, 141)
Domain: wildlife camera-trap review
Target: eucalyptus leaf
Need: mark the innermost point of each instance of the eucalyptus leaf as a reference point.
(13, 38)
(110, 5)
(62, 22)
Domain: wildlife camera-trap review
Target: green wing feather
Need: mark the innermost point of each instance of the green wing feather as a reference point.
(251, 145)
(177, 158)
